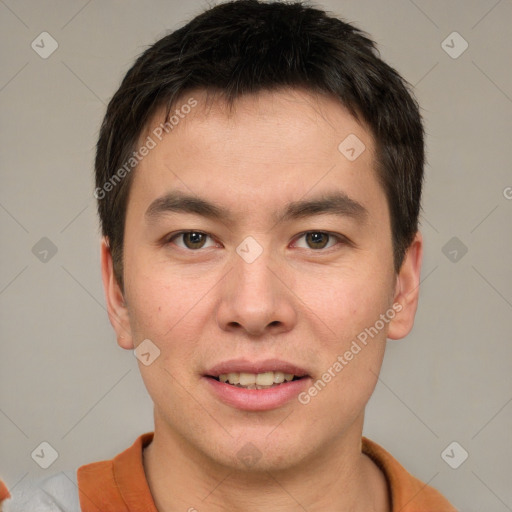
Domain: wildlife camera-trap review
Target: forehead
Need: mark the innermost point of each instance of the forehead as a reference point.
(298, 114)
(270, 146)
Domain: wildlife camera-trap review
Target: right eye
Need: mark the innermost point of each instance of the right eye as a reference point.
(192, 240)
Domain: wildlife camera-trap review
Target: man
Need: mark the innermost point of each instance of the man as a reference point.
(258, 176)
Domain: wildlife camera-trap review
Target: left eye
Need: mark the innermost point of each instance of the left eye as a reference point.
(191, 239)
(318, 239)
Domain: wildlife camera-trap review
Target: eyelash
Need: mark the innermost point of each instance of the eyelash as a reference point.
(340, 238)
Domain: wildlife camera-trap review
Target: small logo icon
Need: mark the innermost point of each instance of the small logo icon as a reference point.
(249, 249)
(146, 352)
(249, 454)
(454, 455)
(454, 45)
(454, 249)
(507, 192)
(44, 250)
(44, 45)
(45, 455)
(351, 147)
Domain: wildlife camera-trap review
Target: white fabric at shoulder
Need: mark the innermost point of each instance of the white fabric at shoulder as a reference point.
(54, 493)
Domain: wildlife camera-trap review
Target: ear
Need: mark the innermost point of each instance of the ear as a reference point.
(116, 307)
(407, 290)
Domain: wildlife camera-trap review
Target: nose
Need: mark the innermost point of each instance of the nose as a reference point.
(256, 298)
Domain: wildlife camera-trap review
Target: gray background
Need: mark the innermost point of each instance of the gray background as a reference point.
(64, 380)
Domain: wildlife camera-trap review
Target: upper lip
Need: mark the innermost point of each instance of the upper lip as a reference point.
(246, 366)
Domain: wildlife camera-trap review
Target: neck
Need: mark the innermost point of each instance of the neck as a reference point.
(181, 478)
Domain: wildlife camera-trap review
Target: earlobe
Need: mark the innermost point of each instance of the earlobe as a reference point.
(407, 290)
(116, 307)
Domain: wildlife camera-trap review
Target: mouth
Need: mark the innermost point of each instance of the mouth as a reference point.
(256, 386)
(262, 380)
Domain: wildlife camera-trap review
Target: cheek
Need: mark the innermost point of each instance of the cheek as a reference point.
(352, 356)
(158, 302)
(161, 313)
(170, 311)
(348, 300)
(354, 346)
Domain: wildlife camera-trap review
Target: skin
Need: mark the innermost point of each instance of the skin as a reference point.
(300, 302)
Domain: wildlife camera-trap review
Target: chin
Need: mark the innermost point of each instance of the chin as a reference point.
(263, 452)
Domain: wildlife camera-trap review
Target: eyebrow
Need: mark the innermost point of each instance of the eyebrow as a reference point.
(335, 203)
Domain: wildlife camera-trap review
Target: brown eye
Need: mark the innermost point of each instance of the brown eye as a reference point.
(190, 239)
(194, 239)
(317, 240)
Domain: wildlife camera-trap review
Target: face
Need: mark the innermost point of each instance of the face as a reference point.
(256, 250)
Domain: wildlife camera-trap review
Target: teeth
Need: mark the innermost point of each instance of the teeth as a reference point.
(278, 377)
(246, 379)
(233, 378)
(265, 379)
(256, 380)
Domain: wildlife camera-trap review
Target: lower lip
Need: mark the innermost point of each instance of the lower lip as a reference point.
(257, 399)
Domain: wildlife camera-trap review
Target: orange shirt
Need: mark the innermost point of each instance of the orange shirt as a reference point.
(120, 485)
(4, 493)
